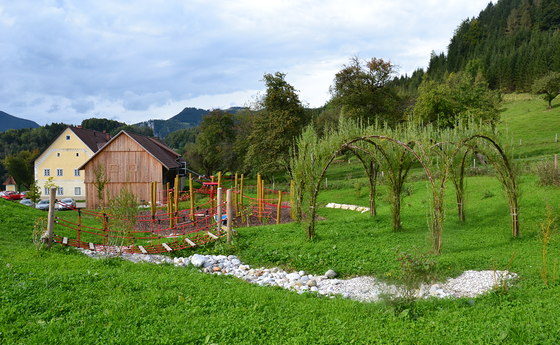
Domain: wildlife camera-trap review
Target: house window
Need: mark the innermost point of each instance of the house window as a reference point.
(47, 172)
(77, 154)
(46, 191)
(58, 154)
(76, 172)
(77, 191)
(60, 190)
(67, 137)
(59, 172)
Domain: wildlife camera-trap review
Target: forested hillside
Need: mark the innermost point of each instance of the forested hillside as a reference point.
(514, 42)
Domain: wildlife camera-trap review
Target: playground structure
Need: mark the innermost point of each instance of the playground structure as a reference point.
(168, 224)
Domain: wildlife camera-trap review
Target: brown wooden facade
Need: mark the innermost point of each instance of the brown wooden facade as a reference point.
(128, 165)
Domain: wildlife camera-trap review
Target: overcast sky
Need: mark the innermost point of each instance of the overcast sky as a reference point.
(64, 61)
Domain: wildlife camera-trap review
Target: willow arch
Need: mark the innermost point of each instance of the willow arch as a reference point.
(437, 183)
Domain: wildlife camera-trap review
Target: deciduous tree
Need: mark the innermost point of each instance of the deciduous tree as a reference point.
(279, 121)
(548, 86)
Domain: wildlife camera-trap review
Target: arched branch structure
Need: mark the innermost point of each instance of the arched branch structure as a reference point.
(506, 175)
(321, 153)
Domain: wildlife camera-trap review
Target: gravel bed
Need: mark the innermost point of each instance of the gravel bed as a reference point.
(366, 289)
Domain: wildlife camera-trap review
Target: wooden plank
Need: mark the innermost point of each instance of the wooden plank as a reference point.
(91, 246)
(143, 250)
(212, 235)
(167, 247)
(65, 240)
(191, 243)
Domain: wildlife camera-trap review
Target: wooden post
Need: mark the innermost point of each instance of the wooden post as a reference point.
(191, 195)
(153, 200)
(292, 199)
(166, 192)
(229, 214)
(556, 161)
(236, 189)
(79, 226)
(259, 214)
(219, 179)
(219, 210)
(170, 209)
(50, 222)
(176, 195)
(241, 198)
(279, 207)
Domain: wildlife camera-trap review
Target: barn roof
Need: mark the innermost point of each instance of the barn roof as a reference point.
(157, 149)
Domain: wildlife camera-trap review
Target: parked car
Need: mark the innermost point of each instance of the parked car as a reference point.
(42, 205)
(66, 204)
(12, 195)
(26, 202)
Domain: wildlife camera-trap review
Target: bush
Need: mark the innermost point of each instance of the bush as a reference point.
(548, 175)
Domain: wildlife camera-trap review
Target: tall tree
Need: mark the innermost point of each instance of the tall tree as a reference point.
(20, 166)
(461, 97)
(548, 86)
(361, 89)
(213, 148)
(279, 121)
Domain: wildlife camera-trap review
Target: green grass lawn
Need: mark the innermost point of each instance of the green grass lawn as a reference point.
(63, 297)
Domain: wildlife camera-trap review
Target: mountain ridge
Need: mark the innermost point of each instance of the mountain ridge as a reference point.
(8, 122)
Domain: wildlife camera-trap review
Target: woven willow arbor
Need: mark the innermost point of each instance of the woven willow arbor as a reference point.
(442, 155)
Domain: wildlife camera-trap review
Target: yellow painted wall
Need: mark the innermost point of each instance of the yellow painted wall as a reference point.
(68, 153)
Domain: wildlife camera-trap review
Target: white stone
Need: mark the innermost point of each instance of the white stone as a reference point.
(198, 260)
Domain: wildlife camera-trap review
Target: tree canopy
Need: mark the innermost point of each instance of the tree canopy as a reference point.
(548, 86)
(362, 91)
(279, 121)
(460, 98)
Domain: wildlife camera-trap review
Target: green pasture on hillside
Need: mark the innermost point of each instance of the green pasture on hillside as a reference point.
(530, 128)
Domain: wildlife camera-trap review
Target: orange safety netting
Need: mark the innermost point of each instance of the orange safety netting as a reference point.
(162, 231)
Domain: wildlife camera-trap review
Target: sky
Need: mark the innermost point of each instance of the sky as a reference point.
(65, 61)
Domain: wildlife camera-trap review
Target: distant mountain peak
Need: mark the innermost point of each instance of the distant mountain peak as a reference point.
(8, 121)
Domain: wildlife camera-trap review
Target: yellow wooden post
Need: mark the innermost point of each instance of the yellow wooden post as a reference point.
(236, 191)
(191, 196)
(219, 179)
(153, 195)
(241, 198)
(279, 207)
(176, 195)
(170, 209)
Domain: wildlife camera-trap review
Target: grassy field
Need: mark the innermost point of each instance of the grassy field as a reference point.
(63, 297)
(530, 126)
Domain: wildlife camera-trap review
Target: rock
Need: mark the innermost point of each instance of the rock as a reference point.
(330, 274)
(293, 276)
(198, 260)
(216, 269)
(311, 283)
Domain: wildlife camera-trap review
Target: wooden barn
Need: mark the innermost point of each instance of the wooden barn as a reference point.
(131, 161)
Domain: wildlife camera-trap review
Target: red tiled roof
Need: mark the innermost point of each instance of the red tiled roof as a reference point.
(10, 180)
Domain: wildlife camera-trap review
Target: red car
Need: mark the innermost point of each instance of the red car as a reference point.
(12, 195)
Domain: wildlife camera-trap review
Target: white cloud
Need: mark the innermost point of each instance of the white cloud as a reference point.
(138, 60)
